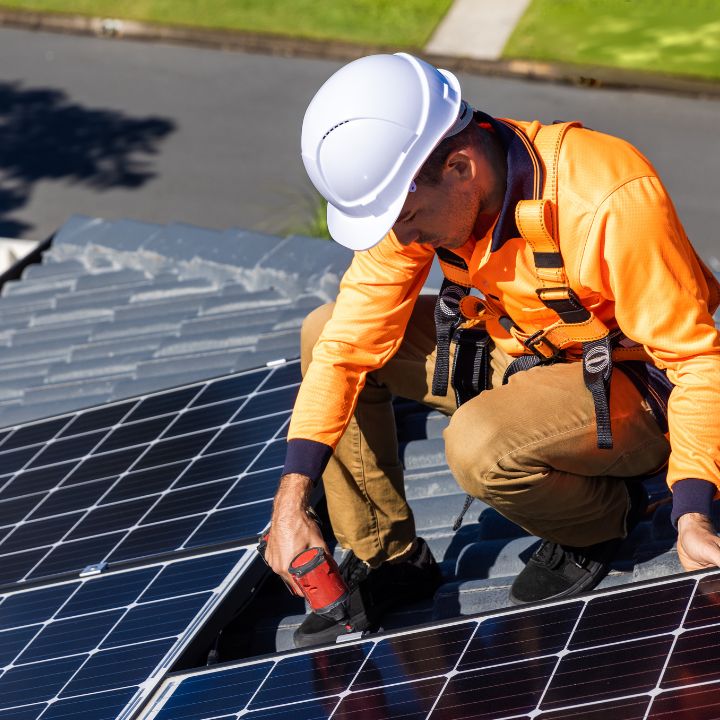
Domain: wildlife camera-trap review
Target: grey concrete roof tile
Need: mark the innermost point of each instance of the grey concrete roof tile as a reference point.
(239, 302)
(26, 372)
(249, 360)
(253, 322)
(40, 335)
(19, 315)
(111, 298)
(37, 351)
(37, 289)
(212, 363)
(73, 389)
(173, 289)
(116, 348)
(101, 280)
(77, 370)
(423, 483)
(53, 270)
(81, 229)
(177, 309)
(657, 565)
(240, 290)
(76, 315)
(299, 254)
(283, 340)
(126, 235)
(440, 511)
(423, 453)
(419, 425)
(236, 322)
(493, 526)
(207, 342)
(153, 325)
(242, 248)
(11, 391)
(494, 558)
(468, 597)
(180, 241)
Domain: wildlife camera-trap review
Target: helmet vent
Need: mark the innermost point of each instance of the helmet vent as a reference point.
(334, 127)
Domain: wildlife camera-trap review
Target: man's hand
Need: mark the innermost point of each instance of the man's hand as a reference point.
(293, 530)
(698, 544)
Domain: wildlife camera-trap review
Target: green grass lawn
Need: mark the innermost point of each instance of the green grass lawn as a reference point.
(397, 23)
(667, 36)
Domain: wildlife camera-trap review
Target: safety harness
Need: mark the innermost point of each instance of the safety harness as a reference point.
(536, 221)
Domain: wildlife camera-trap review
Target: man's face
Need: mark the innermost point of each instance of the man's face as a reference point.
(465, 202)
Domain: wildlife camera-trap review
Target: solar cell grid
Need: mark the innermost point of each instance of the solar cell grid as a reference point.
(193, 466)
(89, 647)
(582, 658)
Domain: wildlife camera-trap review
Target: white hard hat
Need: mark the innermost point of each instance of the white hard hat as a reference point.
(367, 133)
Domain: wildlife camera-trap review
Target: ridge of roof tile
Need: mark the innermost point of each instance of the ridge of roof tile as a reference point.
(118, 308)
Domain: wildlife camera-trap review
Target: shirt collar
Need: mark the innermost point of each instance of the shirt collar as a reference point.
(524, 176)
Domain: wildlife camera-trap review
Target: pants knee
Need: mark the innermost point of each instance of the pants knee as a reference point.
(311, 329)
(471, 450)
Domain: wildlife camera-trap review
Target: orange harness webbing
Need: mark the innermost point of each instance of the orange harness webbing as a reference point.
(536, 220)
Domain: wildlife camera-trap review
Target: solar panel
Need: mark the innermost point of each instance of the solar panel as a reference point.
(94, 647)
(643, 651)
(186, 468)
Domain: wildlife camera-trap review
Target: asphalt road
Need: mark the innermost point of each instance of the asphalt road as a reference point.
(162, 133)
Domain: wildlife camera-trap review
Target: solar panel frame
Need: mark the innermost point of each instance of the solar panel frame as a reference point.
(494, 683)
(166, 597)
(43, 544)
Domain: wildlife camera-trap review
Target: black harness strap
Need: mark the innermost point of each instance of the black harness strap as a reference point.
(447, 317)
(597, 369)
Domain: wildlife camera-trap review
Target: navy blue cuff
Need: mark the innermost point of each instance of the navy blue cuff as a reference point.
(691, 496)
(306, 457)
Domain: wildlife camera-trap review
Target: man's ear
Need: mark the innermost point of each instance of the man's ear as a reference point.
(460, 165)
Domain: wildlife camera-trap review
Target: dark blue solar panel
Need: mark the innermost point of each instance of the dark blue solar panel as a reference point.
(101, 637)
(246, 521)
(102, 706)
(103, 417)
(583, 659)
(304, 677)
(144, 477)
(409, 701)
(434, 652)
(234, 387)
(36, 433)
(34, 481)
(67, 449)
(164, 403)
(211, 694)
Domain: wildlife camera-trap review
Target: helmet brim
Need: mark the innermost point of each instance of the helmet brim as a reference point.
(362, 233)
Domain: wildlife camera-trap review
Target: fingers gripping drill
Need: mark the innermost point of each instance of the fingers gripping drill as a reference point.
(317, 576)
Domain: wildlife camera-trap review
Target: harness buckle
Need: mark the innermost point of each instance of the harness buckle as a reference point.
(541, 347)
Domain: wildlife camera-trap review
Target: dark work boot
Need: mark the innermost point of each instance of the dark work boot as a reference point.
(373, 593)
(557, 571)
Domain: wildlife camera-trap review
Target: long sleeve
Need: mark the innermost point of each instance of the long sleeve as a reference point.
(662, 297)
(377, 295)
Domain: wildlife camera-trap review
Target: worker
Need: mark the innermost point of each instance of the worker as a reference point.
(572, 342)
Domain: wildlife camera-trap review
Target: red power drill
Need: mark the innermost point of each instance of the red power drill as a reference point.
(317, 576)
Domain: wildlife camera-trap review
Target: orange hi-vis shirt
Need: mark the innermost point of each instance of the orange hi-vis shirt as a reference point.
(626, 256)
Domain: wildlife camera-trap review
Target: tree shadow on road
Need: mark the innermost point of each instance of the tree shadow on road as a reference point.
(44, 135)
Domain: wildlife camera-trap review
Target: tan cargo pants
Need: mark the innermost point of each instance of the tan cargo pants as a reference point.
(527, 448)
